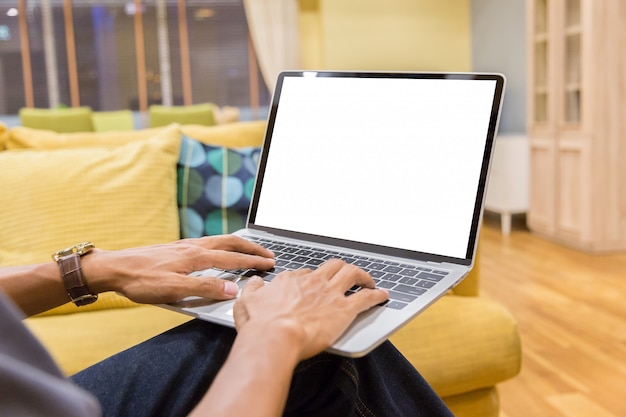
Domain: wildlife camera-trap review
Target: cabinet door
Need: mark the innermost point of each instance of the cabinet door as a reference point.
(556, 34)
(540, 99)
(573, 205)
(569, 42)
(542, 191)
(541, 116)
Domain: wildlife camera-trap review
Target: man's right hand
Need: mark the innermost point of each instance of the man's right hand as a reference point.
(311, 306)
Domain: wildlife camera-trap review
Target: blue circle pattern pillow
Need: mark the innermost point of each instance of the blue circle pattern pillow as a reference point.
(215, 185)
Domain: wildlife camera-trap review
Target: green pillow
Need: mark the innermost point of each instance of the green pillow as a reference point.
(198, 114)
(112, 121)
(76, 119)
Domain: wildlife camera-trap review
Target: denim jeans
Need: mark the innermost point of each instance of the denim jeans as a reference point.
(168, 375)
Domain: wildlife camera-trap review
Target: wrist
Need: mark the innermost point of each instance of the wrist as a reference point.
(281, 336)
(94, 267)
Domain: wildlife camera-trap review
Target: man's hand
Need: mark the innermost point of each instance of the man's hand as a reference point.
(310, 306)
(159, 273)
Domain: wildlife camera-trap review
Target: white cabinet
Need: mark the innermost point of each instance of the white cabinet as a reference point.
(507, 189)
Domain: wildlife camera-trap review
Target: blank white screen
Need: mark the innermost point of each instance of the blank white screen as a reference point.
(387, 161)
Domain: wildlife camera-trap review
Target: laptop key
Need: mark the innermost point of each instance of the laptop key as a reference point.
(408, 272)
(392, 277)
(314, 262)
(407, 289)
(392, 269)
(386, 284)
(377, 266)
(300, 259)
(361, 263)
(398, 296)
(396, 305)
(426, 284)
(409, 281)
(352, 290)
(294, 265)
(376, 274)
(432, 277)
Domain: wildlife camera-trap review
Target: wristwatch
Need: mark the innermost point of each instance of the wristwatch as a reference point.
(68, 260)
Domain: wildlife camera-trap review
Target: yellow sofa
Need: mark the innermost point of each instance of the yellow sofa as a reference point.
(464, 345)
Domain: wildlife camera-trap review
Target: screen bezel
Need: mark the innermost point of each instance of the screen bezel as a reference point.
(366, 247)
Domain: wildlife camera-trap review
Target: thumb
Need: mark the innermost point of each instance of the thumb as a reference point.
(254, 283)
(240, 310)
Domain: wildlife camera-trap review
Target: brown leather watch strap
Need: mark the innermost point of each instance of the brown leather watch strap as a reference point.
(74, 282)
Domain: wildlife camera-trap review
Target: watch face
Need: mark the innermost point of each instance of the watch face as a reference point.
(80, 249)
(83, 248)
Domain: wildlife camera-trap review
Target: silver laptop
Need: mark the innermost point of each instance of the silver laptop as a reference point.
(386, 171)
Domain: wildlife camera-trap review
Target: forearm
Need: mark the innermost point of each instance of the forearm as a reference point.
(150, 274)
(255, 378)
(34, 288)
(37, 288)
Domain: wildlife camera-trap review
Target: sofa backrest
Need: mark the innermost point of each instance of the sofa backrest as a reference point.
(129, 159)
(122, 193)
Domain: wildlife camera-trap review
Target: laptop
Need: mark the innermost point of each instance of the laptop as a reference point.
(385, 170)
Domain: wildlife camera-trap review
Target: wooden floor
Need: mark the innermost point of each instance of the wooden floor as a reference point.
(571, 311)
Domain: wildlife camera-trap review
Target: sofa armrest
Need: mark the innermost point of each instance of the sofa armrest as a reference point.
(462, 344)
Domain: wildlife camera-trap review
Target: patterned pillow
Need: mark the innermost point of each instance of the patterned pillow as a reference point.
(215, 185)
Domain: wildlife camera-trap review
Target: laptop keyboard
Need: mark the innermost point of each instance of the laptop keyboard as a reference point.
(404, 282)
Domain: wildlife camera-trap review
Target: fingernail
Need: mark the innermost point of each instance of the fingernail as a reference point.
(230, 288)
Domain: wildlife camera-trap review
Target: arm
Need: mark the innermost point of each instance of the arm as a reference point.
(299, 315)
(255, 378)
(150, 274)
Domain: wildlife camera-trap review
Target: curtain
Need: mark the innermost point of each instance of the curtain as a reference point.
(273, 27)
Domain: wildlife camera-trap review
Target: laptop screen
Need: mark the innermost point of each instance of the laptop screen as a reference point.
(393, 160)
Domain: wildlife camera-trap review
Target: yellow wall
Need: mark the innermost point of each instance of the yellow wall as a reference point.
(429, 35)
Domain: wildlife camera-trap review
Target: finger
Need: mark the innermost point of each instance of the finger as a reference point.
(235, 260)
(213, 288)
(240, 311)
(253, 284)
(345, 276)
(235, 244)
(292, 274)
(330, 268)
(178, 286)
(367, 298)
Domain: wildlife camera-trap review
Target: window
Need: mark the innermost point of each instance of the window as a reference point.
(202, 56)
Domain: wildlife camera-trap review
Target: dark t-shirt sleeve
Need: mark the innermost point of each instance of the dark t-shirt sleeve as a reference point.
(31, 384)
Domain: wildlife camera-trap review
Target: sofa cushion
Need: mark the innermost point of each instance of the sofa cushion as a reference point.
(116, 197)
(112, 121)
(202, 114)
(215, 186)
(27, 138)
(477, 343)
(234, 135)
(4, 136)
(77, 341)
(74, 119)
